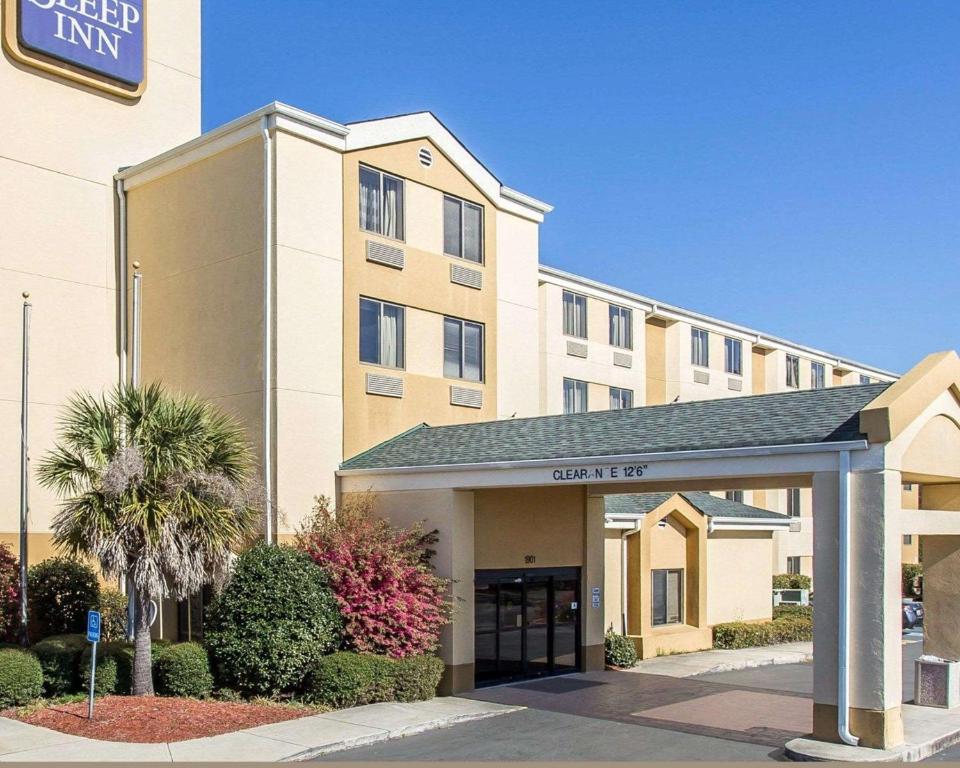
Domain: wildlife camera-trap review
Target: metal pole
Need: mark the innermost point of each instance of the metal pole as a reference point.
(137, 280)
(93, 677)
(24, 475)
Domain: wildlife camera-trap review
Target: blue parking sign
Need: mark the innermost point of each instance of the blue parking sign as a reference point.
(93, 626)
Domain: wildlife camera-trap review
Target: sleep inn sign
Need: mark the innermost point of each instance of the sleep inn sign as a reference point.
(97, 42)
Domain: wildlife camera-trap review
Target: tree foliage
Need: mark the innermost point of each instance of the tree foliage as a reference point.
(391, 600)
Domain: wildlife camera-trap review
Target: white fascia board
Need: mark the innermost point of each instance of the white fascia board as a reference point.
(230, 134)
(679, 314)
(617, 524)
(594, 289)
(424, 125)
(748, 524)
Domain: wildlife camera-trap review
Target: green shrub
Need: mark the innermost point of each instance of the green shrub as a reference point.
(184, 670)
(911, 574)
(114, 667)
(21, 678)
(791, 581)
(272, 623)
(415, 678)
(61, 590)
(790, 611)
(59, 658)
(348, 679)
(740, 634)
(619, 650)
(113, 615)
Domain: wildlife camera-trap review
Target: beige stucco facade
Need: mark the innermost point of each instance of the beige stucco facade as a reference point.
(62, 143)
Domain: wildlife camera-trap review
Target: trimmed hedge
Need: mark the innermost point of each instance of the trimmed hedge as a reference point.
(740, 634)
(115, 666)
(619, 650)
(59, 658)
(184, 670)
(791, 611)
(415, 678)
(21, 678)
(791, 581)
(349, 679)
(61, 590)
(276, 618)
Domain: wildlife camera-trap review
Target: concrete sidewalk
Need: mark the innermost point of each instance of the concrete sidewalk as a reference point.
(291, 740)
(706, 662)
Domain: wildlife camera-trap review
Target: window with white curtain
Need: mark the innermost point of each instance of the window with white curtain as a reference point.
(462, 349)
(700, 347)
(381, 203)
(793, 371)
(462, 229)
(734, 356)
(621, 327)
(574, 314)
(620, 398)
(381, 333)
(818, 376)
(667, 596)
(574, 396)
(793, 502)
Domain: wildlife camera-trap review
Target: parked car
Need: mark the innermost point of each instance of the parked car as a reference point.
(912, 613)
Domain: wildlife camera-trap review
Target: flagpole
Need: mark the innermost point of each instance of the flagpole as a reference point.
(24, 475)
(134, 381)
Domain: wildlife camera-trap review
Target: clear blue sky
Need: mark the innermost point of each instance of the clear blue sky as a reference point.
(792, 166)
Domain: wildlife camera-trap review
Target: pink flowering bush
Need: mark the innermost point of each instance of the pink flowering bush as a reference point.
(391, 600)
(9, 595)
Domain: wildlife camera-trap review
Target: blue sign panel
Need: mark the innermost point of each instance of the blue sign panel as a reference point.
(104, 36)
(93, 626)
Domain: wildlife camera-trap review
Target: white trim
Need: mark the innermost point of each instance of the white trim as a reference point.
(674, 313)
(748, 524)
(626, 458)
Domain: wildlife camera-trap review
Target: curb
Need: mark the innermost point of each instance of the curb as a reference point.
(815, 751)
(412, 730)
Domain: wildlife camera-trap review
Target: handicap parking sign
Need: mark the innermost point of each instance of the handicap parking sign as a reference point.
(93, 626)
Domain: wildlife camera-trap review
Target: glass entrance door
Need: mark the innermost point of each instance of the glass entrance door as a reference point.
(527, 623)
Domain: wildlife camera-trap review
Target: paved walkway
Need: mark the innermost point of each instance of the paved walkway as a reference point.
(712, 662)
(301, 739)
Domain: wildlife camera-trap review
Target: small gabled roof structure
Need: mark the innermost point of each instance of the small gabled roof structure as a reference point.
(815, 416)
(629, 508)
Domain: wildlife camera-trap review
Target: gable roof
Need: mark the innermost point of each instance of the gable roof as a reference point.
(705, 503)
(787, 418)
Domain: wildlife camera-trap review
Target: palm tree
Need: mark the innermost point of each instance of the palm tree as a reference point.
(156, 487)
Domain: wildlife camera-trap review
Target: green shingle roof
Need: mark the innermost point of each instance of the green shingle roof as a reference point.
(703, 502)
(786, 418)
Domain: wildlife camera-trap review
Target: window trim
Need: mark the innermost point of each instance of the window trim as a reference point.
(620, 310)
(403, 203)
(463, 349)
(403, 335)
(680, 597)
(620, 390)
(483, 225)
(586, 395)
(728, 342)
(706, 346)
(586, 314)
(796, 383)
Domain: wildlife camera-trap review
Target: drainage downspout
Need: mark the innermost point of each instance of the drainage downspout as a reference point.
(267, 328)
(843, 631)
(122, 276)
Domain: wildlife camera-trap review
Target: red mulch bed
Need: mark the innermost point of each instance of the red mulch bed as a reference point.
(156, 719)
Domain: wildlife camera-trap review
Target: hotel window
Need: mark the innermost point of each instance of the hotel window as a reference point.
(667, 596)
(462, 229)
(793, 502)
(574, 396)
(734, 356)
(699, 347)
(793, 565)
(621, 327)
(908, 539)
(735, 496)
(793, 371)
(864, 379)
(462, 349)
(381, 333)
(620, 398)
(381, 203)
(817, 376)
(574, 314)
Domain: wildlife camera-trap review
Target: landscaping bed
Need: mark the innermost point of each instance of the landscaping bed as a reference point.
(155, 719)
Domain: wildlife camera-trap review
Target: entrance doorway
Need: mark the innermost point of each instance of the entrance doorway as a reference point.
(527, 623)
